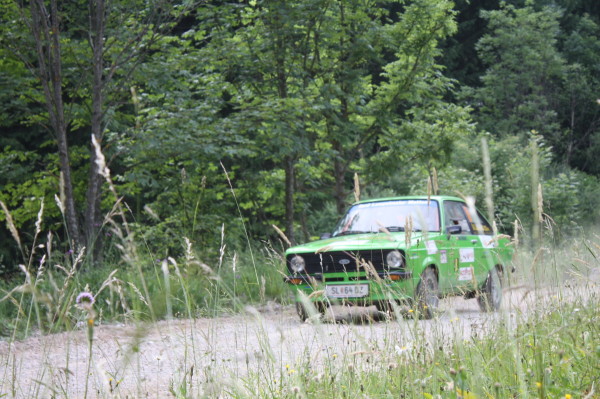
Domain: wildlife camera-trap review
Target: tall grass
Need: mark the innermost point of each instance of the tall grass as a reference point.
(544, 343)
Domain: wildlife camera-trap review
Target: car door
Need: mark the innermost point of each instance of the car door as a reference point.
(483, 250)
(463, 257)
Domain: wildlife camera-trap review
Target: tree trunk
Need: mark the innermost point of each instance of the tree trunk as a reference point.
(93, 196)
(290, 178)
(288, 160)
(339, 173)
(46, 31)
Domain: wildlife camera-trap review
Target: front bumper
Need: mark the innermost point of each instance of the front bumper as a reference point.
(397, 285)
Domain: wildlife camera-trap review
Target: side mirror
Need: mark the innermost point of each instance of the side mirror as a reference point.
(325, 236)
(451, 230)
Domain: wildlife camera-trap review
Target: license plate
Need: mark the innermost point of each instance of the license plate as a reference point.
(347, 291)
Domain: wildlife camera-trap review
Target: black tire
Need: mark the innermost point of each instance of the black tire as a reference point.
(490, 297)
(387, 308)
(301, 312)
(427, 294)
(321, 307)
(383, 306)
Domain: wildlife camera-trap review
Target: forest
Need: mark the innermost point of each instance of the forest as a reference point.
(215, 127)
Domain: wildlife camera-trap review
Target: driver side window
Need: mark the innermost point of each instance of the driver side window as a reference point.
(455, 215)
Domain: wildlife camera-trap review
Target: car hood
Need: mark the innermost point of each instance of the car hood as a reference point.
(356, 242)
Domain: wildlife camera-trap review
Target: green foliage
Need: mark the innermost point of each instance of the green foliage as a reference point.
(578, 106)
(28, 181)
(524, 68)
(240, 116)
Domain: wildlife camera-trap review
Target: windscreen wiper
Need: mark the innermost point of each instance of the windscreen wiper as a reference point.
(394, 229)
(348, 232)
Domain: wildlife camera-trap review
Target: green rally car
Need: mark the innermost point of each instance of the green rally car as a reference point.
(404, 250)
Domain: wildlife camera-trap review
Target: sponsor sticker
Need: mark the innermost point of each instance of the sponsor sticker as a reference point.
(487, 241)
(443, 256)
(465, 273)
(467, 255)
(431, 247)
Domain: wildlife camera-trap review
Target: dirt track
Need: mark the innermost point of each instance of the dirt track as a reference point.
(206, 354)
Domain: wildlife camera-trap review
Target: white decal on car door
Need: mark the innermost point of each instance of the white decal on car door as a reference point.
(467, 255)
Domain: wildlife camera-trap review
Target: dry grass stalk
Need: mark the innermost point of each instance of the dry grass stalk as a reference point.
(324, 249)
(38, 222)
(535, 191)
(108, 281)
(540, 203)
(282, 235)
(487, 170)
(429, 189)
(356, 188)
(105, 172)
(167, 282)
(408, 227)
(516, 228)
(189, 255)
(59, 204)
(151, 212)
(138, 293)
(222, 246)
(11, 226)
(370, 269)
(61, 190)
(237, 204)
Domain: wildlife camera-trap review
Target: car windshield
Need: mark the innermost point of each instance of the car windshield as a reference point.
(392, 216)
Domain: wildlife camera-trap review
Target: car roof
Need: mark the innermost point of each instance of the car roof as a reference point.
(413, 197)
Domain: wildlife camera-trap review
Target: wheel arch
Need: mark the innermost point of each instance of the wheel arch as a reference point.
(429, 262)
(434, 267)
(500, 268)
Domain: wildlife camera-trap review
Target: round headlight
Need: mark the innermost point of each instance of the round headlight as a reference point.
(394, 259)
(297, 264)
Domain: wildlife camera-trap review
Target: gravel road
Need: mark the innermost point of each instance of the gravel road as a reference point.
(153, 360)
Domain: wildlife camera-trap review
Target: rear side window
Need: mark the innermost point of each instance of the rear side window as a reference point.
(481, 226)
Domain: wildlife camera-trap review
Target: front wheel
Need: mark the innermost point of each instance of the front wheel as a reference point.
(304, 314)
(490, 297)
(427, 294)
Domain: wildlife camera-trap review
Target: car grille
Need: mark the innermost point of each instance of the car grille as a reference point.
(332, 262)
